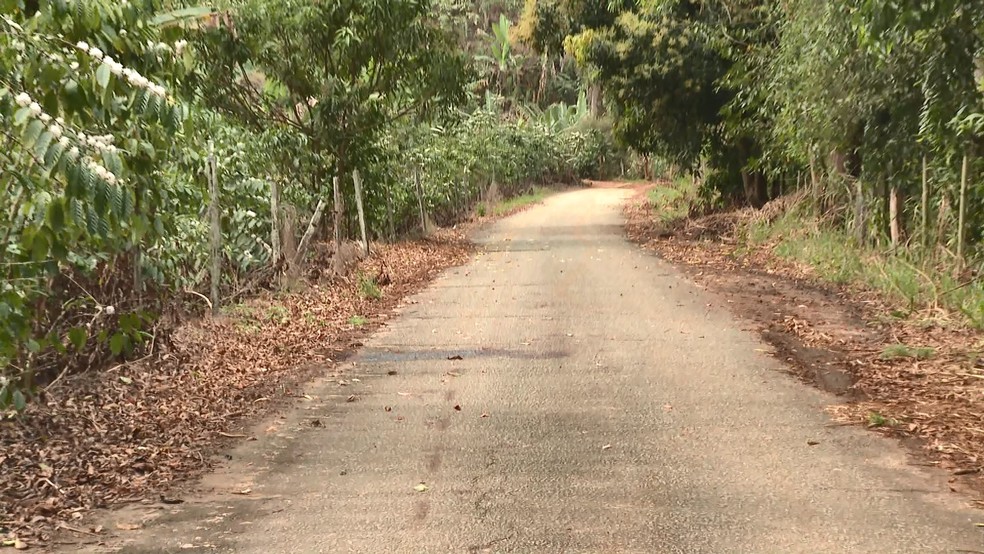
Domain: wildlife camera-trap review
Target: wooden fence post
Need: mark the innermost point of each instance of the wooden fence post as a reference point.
(336, 183)
(420, 200)
(308, 233)
(216, 227)
(390, 224)
(357, 179)
(962, 210)
(275, 220)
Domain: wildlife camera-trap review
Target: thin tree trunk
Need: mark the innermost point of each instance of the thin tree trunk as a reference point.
(859, 212)
(275, 221)
(216, 229)
(962, 210)
(337, 220)
(420, 201)
(308, 233)
(594, 98)
(357, 179)
(815, 185)
(924, 224)
(893, 209)
(390, 224)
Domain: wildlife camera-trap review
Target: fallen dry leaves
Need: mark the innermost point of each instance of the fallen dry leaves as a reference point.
(823, 330)
(110, 437)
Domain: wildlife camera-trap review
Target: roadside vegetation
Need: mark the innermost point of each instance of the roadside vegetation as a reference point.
(871, 112)
(165, 160)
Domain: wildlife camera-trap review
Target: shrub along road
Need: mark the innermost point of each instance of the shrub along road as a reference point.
(563, 392)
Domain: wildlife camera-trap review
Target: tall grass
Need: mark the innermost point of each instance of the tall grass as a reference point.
(913, 282)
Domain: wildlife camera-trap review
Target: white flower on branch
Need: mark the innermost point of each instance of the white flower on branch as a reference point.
(74, 152)
(45, 118)
(23, 99)
(63, 141)
(96, 53)
(55, 130)
(35, 109)
(74, 66)
(82, 45)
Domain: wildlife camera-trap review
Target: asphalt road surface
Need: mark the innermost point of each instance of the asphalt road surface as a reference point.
(601, 404)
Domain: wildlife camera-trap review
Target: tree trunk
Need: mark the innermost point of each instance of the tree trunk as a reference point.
(893, 216)
(308, 233)
(924, 224)
(216, 229)
(357, 179)
(962, 210)
(756, 188)
(275, 221)
(859, 215)
(420, 201)
(815, 186)
(390, 224)
(594, 99)
(541, 89)
(337, 221)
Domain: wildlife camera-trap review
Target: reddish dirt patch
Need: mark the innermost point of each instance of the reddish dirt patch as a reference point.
(835, 337)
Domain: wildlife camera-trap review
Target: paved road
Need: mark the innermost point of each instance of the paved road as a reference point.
(602, 404)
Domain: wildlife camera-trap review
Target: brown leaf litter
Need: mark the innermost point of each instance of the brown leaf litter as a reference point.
(835, 337)
(106, 438)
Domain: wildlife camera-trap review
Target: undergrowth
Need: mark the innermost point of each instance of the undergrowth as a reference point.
(917, 284)
(537, 194)
(672, 202)
(913, 281)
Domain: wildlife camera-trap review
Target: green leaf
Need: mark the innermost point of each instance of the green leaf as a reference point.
(78, 337)
(21, 116)
(174, 16)
(53, 155)
(103, 74)
(20, 401)
(39, 247)
(32, 132)
(42, 144)
(116, 343)
(56, 215)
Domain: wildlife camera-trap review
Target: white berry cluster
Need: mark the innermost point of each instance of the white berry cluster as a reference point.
(56, 126)
(132, 76)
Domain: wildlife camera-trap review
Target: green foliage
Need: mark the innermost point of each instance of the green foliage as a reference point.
(112, 110)
(89, 113)
(368, 288)
(337, 73)
(895, 351)
(518, 202)
(674, 201)
(917, 283)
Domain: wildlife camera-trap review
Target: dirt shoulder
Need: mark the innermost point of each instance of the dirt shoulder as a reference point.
(843, 339)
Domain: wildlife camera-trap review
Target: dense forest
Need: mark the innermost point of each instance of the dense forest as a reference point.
(158, 151)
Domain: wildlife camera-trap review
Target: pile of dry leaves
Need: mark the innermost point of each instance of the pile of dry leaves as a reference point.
(915, 377)
(127, 433)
